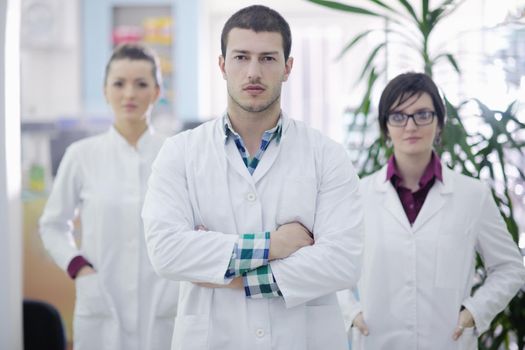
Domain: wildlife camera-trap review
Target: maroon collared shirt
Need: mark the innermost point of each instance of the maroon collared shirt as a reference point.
(412, 202)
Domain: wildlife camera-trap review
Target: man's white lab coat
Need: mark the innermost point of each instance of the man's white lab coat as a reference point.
(199, 179)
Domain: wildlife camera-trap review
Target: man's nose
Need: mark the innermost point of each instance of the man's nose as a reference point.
(254, 70)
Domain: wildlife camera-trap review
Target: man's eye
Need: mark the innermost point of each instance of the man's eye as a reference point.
(240, 57)
(268, 59)
(118, 84)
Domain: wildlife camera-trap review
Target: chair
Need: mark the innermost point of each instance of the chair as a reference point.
(43, 327)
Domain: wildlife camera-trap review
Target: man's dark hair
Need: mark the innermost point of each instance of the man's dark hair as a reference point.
(402, 88)
(135, 52)
(259, 19)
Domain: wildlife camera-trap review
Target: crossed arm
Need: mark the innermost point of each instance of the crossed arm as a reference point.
(284, 241)
(180, 252)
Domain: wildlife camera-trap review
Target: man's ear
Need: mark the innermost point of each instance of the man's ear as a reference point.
(287, 68)
(221, 66)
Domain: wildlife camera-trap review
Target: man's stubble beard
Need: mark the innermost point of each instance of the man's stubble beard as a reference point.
(256, 109)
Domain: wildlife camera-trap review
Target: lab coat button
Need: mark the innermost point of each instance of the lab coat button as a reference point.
(259, 333)
(251, 196)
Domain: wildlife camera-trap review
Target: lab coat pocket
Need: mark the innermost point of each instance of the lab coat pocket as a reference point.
(450, 261)
(297, 201)
(325, 328)
(469, 339)
(190, 332)
(90, 299)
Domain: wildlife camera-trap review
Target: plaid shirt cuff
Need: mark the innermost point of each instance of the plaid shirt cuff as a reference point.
(250, 252)
(260, 283)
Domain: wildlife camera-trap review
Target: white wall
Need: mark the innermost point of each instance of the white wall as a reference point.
(50, 59)
(10, 225)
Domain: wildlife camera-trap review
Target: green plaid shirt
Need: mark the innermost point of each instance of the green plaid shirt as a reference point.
(251, 252)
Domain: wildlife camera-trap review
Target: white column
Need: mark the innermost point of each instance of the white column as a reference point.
(10, 183)
(187, 59)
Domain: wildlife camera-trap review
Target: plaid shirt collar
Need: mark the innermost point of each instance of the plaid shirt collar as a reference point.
(268, 136)
(275, 132)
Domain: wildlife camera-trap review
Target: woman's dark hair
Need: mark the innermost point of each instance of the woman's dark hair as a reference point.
(259, 19)
(402, 88)
(135, 51)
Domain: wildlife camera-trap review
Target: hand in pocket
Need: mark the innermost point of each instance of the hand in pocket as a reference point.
(465, 320)
(359, 323)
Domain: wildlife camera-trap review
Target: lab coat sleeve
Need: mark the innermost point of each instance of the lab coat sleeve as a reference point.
(333, 262)
(176, 250)
(503, 263)
(350, 306)
(56, 229)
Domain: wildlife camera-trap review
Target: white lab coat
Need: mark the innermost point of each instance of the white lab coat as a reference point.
(125, 305)
(415, 278)
(198, 179)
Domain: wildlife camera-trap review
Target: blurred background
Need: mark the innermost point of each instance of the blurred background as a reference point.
(474, 49)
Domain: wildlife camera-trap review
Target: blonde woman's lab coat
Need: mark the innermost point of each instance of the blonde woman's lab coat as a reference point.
(125, 305)
(416, 278)
(199, 179)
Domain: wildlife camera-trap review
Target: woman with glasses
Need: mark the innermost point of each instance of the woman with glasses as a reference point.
(424, 225)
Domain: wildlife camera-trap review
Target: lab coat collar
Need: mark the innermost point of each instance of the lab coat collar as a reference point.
(224, 124)
(142, 142)
(436, 198)
(234, 158)
(445, 186)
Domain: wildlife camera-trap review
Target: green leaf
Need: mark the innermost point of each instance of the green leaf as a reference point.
(446, 8)
(410, 10)
(453, 62)
(365, 103)
(424, 8)
(343, 7)
(353, 42)
(450, 58)
(370, 59)
(433, 16)
(425, 26)
(510, 108)
(382, 4)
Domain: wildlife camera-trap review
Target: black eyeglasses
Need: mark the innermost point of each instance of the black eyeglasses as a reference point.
(422, 118)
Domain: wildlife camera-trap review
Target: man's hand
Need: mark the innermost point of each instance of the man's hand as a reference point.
(466, 320)
(359, 323)
(236, 283)
(287, 239)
